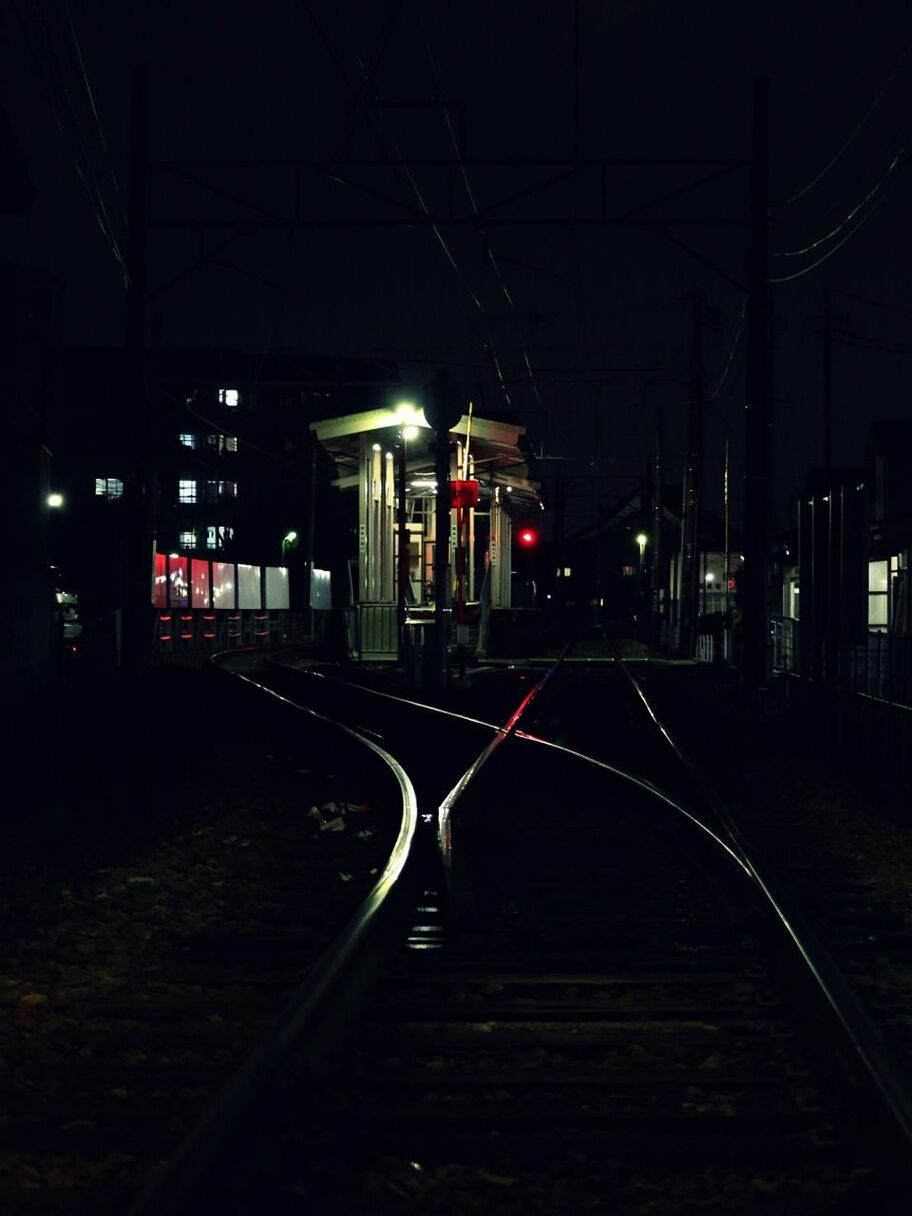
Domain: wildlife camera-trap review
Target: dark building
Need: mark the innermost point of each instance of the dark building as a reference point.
(235, 468)
(30, 343)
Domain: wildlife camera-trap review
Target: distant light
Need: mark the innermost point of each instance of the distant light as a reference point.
(709, 577)
(55, 500)
(528, 537)
(409, 432)
(641, 539)
(389, 455)
(289, 537)
(423, 483)
(406, 411)
(509, 489)
(376, 447)
(174, 555)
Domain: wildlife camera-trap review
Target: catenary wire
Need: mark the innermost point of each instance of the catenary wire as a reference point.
(829, 165)
(414, 186)
(799, 274)
(474, 204)
(896, 163)
(731, 354)
(49, 69)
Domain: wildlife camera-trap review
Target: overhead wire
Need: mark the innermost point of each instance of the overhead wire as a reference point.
(435, 228)
(471, 196)
(89, 93)
(829, 165)
(896, 163)
(787, 278)
(731, 354)
(58, 95)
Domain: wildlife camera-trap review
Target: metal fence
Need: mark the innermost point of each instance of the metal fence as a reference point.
(185, 629)
(880, 666)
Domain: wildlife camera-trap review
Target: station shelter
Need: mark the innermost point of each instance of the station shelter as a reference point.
(386, 457)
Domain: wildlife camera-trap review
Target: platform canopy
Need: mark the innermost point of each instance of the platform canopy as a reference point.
(500, 451)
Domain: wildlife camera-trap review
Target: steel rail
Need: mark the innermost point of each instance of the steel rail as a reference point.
(275, 660)
(880, 1068)
(445, 810)
(201, 1149)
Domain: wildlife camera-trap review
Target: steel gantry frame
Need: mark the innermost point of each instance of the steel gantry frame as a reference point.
(504, 211)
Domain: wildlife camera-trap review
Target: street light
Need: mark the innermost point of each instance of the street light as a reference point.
(55, 500)
(289, 539)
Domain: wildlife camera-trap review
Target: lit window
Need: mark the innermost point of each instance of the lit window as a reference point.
(218, 535)
(108, 487)
(628, 571)
(187, 440)
(186, 491)
(878, 596)
(187, 540)
(229, 397)
(227, 443)
(568, 570)
(217, 491)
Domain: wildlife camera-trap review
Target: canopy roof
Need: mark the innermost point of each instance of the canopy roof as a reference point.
(500, 450)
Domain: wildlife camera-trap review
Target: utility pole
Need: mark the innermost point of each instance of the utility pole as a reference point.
(442, 409)
(657, 551)
(138, 537)
(402, 573)
(757, 430)
(693, 474)
(827, 388)
(726, 506)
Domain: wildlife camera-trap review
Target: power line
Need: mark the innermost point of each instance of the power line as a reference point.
(90, 94)
(48, 66)
(471, 196)
(409, 177)
(895, 163)
(787, 278)
(826, 168)
(731, 355)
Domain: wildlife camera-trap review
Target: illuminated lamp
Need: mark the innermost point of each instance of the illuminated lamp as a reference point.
(55, 500)
(527, 537)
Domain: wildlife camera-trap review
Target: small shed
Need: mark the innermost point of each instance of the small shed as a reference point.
(386, 457)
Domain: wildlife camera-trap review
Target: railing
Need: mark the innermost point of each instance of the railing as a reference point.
(784, 632)
(186, 629)
(375, 631)
(880, 667)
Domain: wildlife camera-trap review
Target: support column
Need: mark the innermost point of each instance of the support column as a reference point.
(757, 415)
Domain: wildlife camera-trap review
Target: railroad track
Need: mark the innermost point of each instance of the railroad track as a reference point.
(134, 1007)
(599, 1003)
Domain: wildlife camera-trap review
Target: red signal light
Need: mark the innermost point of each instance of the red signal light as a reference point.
(527, 537)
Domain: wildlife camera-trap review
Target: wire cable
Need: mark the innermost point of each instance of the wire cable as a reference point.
(829, 165)
(48, 67)
(896, 163)
(731, 354)
(471, 196)
(799, 274)
(410, 179)
(90, 94)
(469, 192)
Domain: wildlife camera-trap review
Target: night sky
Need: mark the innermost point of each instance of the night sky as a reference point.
(602, 319)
